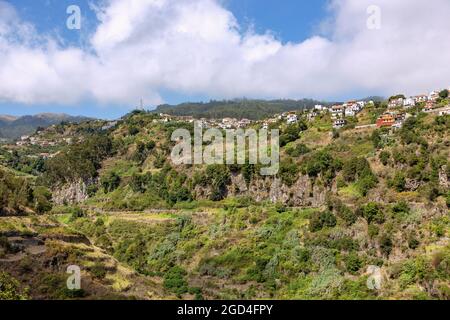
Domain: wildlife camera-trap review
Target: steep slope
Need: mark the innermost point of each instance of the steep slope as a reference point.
(14, 127)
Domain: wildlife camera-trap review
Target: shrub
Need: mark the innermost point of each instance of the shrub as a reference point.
(76, 213)
(413, 242)
(110, 182)
(384, 157)
(42, 198)
(373, 231)
(217, 177)
(398, 182)
(320, 220)
(288, 172)
(386, 244)
(174, 281)
(10, 288)
(353, 263)
(373, 213)
(133, 130)
(348, 215)
(401, 209)
(98, 271)
(299, 150)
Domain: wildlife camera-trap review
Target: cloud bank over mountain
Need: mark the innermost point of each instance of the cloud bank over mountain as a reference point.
(142, 48)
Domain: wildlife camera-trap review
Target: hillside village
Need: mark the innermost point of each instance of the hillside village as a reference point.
(396, 113)
(362, 185)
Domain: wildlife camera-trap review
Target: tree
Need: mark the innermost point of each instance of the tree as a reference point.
(376, 139)
(443, 94)
(321, 220)
(288, 172)
(110, 182)
(42, 199)
(292, 133)
(373, 213)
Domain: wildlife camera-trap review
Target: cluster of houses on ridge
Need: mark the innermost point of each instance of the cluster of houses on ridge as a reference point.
(398, 105)
(225, 123)
(392, 118)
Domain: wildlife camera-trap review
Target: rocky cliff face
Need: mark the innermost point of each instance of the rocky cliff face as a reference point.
(302, 193)
(70, 193)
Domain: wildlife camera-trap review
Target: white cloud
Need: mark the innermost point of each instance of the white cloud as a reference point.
(142, 47)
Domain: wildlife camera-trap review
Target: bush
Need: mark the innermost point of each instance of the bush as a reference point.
(42, 198)
(98, 271)
(401, 209)
(320, 220)
(217, 177)
(288, 172)
(292, 133)
(348, 215)
(353, 263)
(133, 130)
(413, 242)
(174, 281)
(324, 163)
(384, 157)
(373, 213)
(398, 182)
(10, 288)
(76, 213)
(297, 151)
(110, 182)
(386, 244)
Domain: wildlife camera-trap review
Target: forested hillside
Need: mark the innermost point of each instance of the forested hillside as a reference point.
(15, 127)
(248, 109)
(344, 202)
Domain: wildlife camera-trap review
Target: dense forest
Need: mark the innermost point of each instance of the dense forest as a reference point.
(240, 109)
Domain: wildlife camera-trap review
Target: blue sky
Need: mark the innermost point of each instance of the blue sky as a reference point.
(172, 51)
(293, 21)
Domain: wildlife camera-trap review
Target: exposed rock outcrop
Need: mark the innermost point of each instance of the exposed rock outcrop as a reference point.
(302, 193)
(70, 193)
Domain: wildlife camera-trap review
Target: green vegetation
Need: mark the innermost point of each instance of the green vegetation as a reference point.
(249, 109)
(10, 289)
(340, 203)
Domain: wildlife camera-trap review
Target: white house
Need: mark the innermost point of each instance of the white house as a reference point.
(421, 98)
(292, 118)
(340, 123)
(362, 104)
(434, 95)
(349, 112)
(337, 111)
(409, 102)
(394, 103)
(318, 107)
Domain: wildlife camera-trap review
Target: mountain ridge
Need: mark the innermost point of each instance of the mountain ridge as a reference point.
(12, 127)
